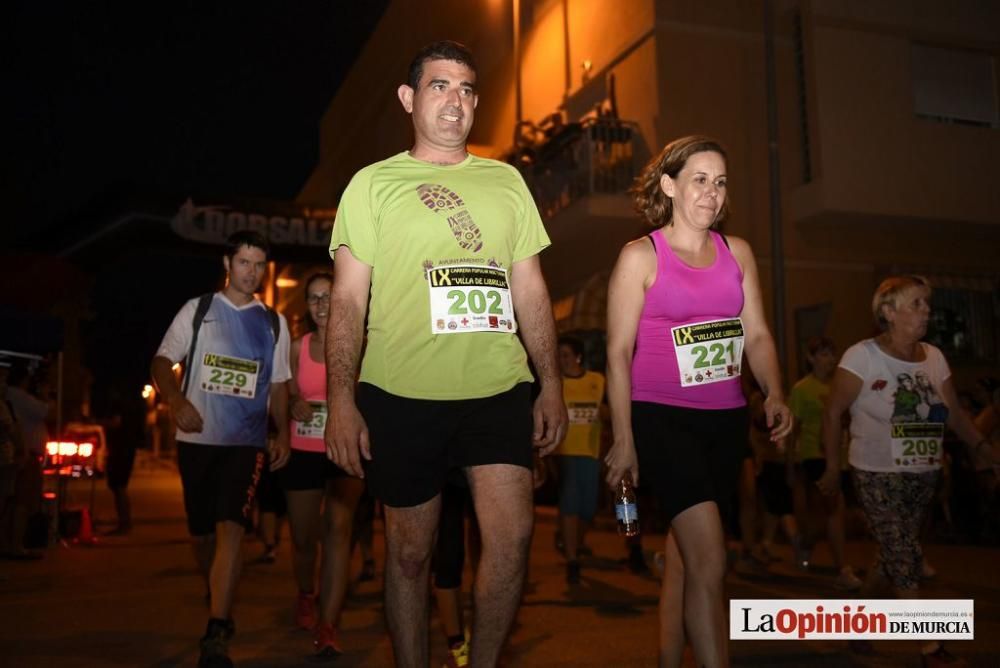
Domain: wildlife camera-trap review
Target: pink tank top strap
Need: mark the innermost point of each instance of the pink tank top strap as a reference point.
(310, 377)
(683, 295)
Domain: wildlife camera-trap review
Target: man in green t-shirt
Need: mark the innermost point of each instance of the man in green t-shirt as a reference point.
(439, 248)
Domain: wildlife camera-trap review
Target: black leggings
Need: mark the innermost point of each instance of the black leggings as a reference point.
(449, 551)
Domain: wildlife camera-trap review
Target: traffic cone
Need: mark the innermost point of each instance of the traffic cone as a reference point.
(86, 534)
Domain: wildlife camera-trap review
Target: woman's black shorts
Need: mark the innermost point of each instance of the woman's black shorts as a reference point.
(308, 470)
(689, 455)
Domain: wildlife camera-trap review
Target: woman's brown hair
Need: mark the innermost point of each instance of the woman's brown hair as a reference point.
(650, 201)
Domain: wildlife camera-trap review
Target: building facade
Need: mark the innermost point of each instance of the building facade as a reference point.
(887, 139)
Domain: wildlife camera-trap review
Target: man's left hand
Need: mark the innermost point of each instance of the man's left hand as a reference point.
(279, 450)
(550, 420)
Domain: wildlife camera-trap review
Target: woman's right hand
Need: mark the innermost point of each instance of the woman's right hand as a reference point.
(621, 459)
(301, 410)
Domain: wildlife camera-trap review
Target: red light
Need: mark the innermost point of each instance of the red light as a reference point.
(49, 496)
(52, 447)
(67, 448)
(86, 449)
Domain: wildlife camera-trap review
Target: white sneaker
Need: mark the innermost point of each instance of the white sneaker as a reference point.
(848, 580)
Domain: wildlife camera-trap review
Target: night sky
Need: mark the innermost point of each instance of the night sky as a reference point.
(173, 97)
(115, 100)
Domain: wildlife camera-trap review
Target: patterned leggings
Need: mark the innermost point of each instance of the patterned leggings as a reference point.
(894, 504)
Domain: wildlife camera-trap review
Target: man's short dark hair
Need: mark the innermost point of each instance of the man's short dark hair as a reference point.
(575, 344)
(251, 238)
(443, 50)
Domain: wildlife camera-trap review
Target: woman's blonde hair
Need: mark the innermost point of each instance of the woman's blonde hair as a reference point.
(889, 291)
(650, 201)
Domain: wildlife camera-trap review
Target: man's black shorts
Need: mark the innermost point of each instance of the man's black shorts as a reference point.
(689, 456)
(220, 483)
(416, 443)
(308, 470)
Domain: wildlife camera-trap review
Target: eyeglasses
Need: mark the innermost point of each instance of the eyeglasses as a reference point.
(319, 299)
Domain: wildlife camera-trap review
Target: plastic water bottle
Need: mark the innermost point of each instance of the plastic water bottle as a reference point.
(626, 510)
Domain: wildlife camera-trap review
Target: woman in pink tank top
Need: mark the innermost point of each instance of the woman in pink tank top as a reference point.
(322, 498)
(685, 319)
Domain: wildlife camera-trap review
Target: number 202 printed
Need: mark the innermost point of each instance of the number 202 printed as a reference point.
(476, 301)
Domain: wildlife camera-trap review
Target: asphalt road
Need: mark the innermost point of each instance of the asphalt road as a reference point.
(138, 601)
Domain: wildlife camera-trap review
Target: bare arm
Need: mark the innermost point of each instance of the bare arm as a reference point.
(980, 448)
(634, 272)
(759, 344)
(538, 331)
(298, 408)
(278, 403)
(346, 433)
(844, 390)
(185, 414)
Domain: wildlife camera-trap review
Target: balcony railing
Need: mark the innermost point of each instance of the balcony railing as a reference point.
(566, 162)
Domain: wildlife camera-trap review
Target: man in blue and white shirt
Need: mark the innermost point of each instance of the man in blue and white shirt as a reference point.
(236, 367)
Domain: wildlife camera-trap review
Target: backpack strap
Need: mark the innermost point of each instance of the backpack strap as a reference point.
(272, 315)
(204, 303)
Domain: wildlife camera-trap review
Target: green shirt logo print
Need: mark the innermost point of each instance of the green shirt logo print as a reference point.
(439, 199)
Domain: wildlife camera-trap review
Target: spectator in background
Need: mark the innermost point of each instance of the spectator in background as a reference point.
(579, 466)
(807, 400)
(125, 432)
(774, 471)
(29, 414)
(896, 434)
(988, 423)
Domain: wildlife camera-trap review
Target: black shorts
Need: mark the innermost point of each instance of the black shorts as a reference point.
(774, 490)
(813, 469)
(220, 483)
(417, 443)
(308, 470)
(270, 495)
(689, 456)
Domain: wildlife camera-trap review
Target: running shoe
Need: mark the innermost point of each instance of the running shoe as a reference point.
(847, 580)
(327, 641)
(573, 572)
(268, 556)
(802, 559)
(214, 645)
(305, 611)
(458, 655)
(367, 571)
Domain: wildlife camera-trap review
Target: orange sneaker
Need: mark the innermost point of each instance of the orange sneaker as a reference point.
(327, 641)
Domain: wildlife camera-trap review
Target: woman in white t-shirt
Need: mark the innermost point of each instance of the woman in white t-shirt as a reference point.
(901, 398)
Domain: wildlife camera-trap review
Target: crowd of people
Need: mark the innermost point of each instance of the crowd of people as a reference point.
(431, 379)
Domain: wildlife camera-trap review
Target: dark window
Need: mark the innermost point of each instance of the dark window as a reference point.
(954, 86)
(964, 323)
